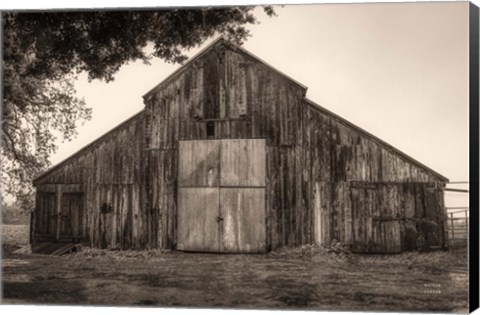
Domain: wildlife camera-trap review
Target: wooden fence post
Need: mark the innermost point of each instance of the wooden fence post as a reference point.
(466, 220)
(452, 227)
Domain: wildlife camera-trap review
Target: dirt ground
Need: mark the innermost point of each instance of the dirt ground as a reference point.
(305, 278)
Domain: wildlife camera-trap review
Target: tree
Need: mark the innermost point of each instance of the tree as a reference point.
(44, 51)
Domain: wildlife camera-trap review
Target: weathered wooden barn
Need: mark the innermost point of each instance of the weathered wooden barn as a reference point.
(229, 156)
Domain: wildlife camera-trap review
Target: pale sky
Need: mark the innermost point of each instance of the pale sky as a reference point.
(397, 70)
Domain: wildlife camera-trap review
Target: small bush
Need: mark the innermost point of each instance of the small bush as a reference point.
(338, 248)
(332, 252)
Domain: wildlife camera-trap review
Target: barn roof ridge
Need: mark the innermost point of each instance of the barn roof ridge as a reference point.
(221, 40)
(375, 138)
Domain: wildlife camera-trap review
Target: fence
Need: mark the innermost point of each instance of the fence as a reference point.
(458, 217)
(458, 220)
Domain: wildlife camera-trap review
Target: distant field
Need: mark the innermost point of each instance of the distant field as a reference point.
(13, 235)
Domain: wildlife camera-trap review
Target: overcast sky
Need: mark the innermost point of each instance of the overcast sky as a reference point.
(397, 70)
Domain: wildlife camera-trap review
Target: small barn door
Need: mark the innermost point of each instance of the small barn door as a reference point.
(389, 218)
(106, 219)
(46, 216)
(221, 196)
(375, 225)
(71, 216)
(432, 224)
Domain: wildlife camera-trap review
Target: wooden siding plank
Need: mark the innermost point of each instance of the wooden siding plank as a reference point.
(236, 89)
(105, 216)
(432, 222)
(360, 204)
(322, 213)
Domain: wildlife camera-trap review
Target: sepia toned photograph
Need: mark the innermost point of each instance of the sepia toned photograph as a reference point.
(269, 157)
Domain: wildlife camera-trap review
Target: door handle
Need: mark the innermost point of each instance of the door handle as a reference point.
(219, 219)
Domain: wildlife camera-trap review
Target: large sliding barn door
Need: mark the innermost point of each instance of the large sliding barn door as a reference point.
(221, 196)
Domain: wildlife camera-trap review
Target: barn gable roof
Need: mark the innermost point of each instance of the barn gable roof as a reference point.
(221, 41)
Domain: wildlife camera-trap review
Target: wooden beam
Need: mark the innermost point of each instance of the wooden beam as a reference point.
(58, 211)
(456, 190)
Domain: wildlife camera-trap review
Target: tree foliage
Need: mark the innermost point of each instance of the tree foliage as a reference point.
(44, 51)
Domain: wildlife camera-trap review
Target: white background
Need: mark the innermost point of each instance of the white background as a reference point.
(400, 72)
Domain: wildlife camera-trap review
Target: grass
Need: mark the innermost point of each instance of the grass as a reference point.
(14, 237)
(116, 255)
(336, 253)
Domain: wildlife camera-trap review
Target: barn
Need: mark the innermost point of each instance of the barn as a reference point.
(229, 156)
